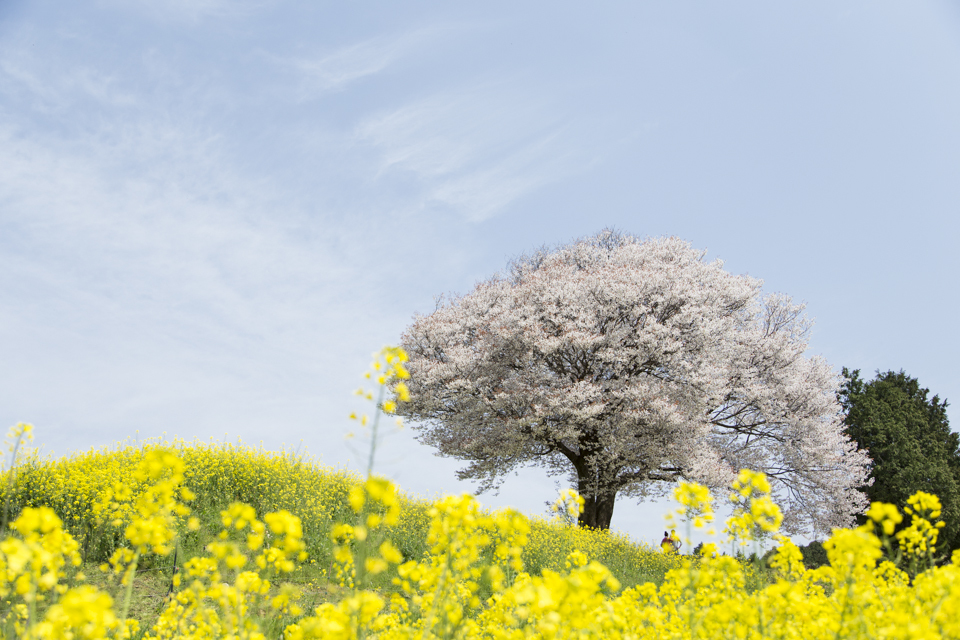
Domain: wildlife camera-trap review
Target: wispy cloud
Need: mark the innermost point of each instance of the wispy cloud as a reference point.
(187, 230)
(482, 194)
(56, 88)
(330, 72)
(474, 150)
(335, 71)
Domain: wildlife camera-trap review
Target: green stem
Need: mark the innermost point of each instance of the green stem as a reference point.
(373, 431)
(11, 476)
(359, 568)
(32, 606)
(761, 568)
(130, 573)
(240, 626)
(441, 589)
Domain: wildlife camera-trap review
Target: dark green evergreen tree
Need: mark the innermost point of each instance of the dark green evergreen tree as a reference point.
(910, 441)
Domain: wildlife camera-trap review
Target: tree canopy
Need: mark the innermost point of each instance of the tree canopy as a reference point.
(629, 364)
(909, 440)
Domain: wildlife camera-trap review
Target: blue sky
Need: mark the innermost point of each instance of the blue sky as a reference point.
(212, 212)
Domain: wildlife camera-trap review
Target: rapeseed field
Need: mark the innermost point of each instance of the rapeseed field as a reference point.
(274, 545)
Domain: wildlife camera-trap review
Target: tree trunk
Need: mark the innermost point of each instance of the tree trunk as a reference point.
(597, 510)
(593, 484)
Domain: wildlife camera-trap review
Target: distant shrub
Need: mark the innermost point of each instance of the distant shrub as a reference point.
(814, 555)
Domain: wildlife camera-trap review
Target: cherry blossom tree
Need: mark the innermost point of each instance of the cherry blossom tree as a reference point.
(628, 364)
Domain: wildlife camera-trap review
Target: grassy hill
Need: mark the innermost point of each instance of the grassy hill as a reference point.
(82, 487)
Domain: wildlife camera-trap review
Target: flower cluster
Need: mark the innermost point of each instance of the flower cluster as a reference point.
(755, 514)
(696, 505)
(376, 505)
(917, 542)
(569, 505)
(389, 372)
(920, 538)
(149, 502)
(218, 593)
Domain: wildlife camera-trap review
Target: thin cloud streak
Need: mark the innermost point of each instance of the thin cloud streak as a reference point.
(55, 90)
(473, 151)
(481, 195)
(336, 71)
